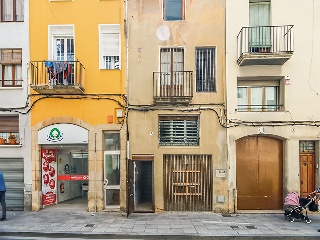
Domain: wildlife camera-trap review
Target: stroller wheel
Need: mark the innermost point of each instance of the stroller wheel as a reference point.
(308, 220)
(291, 219)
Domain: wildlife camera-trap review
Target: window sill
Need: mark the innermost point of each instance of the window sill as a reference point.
(10, 145)
(10, 88)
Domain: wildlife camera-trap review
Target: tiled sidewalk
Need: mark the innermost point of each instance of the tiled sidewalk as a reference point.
(64, 221)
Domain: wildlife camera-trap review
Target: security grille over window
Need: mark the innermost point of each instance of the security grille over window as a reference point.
(205, 70)
(179, 130)
(307, 146)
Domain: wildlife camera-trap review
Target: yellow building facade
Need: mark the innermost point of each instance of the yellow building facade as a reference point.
(77, 78)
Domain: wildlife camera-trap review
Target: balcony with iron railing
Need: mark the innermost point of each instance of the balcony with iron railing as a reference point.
(173, 87)
(265, 45)
(57, 77)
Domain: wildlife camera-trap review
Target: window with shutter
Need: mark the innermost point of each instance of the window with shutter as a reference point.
(11, 67)
(179, 130)
(109, 46)
(9, 126)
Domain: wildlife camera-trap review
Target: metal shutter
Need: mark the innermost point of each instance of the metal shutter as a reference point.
(13, 172)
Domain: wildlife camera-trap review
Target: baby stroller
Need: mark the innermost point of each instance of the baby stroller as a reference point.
(296, 207)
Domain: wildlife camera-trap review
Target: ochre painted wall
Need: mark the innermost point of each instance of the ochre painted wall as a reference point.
(85, 16)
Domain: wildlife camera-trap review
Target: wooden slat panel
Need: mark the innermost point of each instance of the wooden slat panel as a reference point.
(188, 182)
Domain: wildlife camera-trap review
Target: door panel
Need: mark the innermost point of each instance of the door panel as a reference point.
(112, 178)
(130, 187)
(259, 173)
(307, 174)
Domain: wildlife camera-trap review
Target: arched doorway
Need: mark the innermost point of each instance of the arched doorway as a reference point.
(259, 173)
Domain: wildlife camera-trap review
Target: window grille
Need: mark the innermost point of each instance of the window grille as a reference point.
(307, 146)
(179, 130)
(205, 70)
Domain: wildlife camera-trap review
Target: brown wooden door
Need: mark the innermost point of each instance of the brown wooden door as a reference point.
(259, 173)
(307, 174)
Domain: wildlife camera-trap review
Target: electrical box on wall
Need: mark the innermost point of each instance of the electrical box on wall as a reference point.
(110, 118)
(119, 113)
(220, 199)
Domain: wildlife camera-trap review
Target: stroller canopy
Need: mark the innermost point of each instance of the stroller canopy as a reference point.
(292, 199)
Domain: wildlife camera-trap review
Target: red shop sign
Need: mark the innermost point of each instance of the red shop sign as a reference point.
(73, 177)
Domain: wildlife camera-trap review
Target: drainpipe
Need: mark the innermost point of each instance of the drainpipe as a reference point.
(95, 171)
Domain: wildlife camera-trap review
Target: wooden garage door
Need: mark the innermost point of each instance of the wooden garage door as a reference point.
(259, 173)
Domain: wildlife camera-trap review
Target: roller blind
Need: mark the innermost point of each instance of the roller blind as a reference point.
(9, 124)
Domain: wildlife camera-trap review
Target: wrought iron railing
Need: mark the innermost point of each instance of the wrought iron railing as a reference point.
(265, 39)
(11, 83)
(259, 108)
(174, 84)
(56, 73)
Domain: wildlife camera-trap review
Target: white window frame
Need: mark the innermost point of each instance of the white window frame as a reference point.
(104, 30)
(58, 31)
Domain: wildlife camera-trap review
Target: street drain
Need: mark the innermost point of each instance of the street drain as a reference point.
(226, 215)
(234, 227)
(251, 227)
(89, 225)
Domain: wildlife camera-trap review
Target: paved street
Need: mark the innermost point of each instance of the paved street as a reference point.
(75, 223)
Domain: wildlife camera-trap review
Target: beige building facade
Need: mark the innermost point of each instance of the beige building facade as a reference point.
(177, 158)
(272, 101)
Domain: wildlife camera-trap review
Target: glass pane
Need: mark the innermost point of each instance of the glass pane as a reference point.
(19, 10)
(112, 141)
(242, 99)
(112, 197)
(70, 49)
(112, 169)
(59, 49)
(7, 12)
(8, 72)
(256, 99)
(173, 10)
(271, 98)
